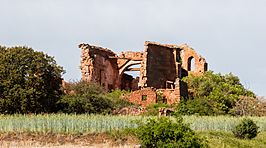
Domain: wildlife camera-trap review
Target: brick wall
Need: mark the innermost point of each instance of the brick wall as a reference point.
(172, 96)
(143, 97)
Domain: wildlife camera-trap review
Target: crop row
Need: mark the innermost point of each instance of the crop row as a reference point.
(74, 124)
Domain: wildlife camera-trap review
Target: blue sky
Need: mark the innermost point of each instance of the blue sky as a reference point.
(230, 34)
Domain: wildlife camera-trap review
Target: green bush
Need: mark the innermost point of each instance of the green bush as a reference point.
(85, 98)
(247, 129)
(30, 81)
(196, 106)
(153, 109)
(116, 96)
(164, 132)
(212, 94)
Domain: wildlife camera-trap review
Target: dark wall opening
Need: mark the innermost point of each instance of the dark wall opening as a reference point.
(191, 64)
(130, 78)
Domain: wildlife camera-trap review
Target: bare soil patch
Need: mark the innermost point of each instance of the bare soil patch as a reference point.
(102, 140)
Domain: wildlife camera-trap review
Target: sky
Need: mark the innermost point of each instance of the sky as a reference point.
(230, 34)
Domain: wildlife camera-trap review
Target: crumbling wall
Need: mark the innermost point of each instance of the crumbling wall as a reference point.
(159, 65)
(161, 68)
(187, 54)
(143, 97)
(170, 96)
(138, 56)
(98, 67)
(147, 96)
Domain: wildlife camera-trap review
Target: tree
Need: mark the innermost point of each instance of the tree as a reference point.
(30, 81)
(217, 92)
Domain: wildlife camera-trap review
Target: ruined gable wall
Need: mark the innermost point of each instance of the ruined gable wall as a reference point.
(187, 53)
(160, 71)
(98, 67)
(159, 65)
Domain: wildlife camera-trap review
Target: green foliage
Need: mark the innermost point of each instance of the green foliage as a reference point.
(30, 81)
(95, 123)
(116, 96)
(247, 129)
(198, 106)
(153, 109)
(65, 123)
(85, 98)
(164, 132)
(222, 139)
(212, 94)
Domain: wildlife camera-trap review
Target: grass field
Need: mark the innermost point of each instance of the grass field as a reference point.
(75, 124)
(62, 127)
(222, 139)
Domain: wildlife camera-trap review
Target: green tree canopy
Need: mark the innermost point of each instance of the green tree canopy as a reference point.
(30, 81)
(212, 93)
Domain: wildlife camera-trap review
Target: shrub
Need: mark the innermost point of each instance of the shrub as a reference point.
(116, 96)
(30, 81)
(86, 98)
(217, 93)
(164, 132)
(194, 106)
(153, 109)
(247, 129)
(250, 106)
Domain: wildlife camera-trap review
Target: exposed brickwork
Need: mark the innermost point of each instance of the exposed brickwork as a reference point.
(187, 54)
(161, 68)
(143, 97)
(97, 67)
(172, 96)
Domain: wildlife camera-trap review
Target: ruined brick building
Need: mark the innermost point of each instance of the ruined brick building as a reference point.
(161, 68)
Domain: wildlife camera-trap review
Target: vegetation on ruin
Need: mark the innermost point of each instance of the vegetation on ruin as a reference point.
(29, 81)
(152, 109)
(116, 96)
(212, 94)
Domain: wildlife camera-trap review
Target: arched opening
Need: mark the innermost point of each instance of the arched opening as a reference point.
(191, 64)
(133, 70)
(130, 77)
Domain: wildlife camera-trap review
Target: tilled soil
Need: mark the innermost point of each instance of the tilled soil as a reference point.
(32, 140)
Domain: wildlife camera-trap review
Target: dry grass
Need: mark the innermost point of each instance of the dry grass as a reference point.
(222, 139)
(61, 140)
